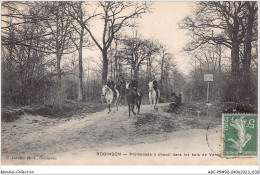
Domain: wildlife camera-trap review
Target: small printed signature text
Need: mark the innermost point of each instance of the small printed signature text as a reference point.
(31, 157)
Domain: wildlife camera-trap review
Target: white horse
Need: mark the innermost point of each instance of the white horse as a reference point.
(152, 96)
(109, 95)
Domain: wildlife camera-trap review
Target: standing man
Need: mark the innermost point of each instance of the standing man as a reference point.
(155, 86)
(111, 85)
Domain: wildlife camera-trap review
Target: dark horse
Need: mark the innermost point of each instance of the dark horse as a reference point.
(132, 99)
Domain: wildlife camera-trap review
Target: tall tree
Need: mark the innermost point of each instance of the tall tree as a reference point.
(167, 67)
(251, 34)
(75, 10)
(59, 25)
(23, 52)
(115, 16)
(136, 51)
(228, 23)
(218, 23)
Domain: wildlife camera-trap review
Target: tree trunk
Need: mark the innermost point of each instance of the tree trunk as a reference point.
(166, 83)
(115, 71)
(235, 49)
(162, 72)
(105, 67)
(132, 66)
(235, 86)
(120, 70)
(219, 60)
(131, 72)
(111, 62)
(58, 66)
(111, 68)
(235, 59)
(247, 50)
(147, 70)
(150, 69)
(80, 85)
(136, 73)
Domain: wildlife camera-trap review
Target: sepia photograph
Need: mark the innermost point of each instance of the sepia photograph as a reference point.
(129, 83)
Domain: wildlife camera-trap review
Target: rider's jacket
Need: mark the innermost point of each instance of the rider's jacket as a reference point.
(134, 84)
(111, 84)
(154, 84)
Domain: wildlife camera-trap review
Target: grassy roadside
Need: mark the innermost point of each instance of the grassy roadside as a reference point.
(67, 110)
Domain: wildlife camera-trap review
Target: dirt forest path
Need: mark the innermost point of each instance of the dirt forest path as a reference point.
(99, 138)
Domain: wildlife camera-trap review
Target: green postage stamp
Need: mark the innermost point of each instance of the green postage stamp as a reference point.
(239, 135)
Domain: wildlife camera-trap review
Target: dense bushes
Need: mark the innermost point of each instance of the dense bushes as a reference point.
(224, 88)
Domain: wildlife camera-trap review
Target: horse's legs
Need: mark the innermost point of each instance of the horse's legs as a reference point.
(138, 106)
(151, 100)
(116, 104)
(140, 101)
(154, 103)
(158, 96)
(109, 110)
(133, 106)
(121, 103)
(129, 110)
(124, 100)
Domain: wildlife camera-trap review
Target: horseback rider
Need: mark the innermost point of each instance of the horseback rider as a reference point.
(155, 86)
(111, 85)
(134, 85)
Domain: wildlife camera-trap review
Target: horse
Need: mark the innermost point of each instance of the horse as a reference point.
(152, 96)
(109, 95)
(132, 99)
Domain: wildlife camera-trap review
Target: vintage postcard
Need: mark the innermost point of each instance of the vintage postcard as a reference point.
(129, 83)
